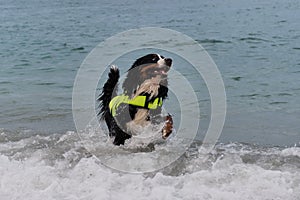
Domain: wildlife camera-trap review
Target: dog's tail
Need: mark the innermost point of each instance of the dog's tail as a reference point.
(109, 90)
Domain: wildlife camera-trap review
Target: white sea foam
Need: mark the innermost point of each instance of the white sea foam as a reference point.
(57, 167)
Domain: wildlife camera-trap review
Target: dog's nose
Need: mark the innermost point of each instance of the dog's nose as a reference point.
(168, 61)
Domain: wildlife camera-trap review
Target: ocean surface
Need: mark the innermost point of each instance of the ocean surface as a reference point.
(256, 46)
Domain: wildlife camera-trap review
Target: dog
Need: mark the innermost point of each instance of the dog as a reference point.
(144, 90)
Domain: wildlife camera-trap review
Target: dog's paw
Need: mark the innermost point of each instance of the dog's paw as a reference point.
(168, 127)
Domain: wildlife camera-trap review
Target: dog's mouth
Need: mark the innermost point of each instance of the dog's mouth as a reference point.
(162, 70)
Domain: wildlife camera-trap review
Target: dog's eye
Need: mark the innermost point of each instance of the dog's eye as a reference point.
(162, 57)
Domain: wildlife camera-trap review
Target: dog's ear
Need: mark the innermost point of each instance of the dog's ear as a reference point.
(131, 82)
(132, 78)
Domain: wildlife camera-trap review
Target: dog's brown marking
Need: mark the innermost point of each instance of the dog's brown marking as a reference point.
(145, 69)
(168, 127)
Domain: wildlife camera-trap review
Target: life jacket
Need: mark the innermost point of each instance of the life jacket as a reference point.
(137, 101)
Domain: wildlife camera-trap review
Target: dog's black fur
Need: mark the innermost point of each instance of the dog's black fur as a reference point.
(142, 72)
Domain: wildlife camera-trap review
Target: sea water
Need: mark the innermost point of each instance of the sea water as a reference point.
(58, 167)
(256, 48)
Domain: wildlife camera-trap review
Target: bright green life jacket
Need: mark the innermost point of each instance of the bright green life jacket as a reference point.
(137, 101)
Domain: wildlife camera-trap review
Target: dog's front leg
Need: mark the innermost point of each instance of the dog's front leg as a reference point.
(168, 127)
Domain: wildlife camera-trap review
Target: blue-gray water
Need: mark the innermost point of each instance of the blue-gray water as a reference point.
(256, 46)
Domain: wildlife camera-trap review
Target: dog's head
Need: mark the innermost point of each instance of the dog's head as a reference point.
(147, 67)
(152, 65)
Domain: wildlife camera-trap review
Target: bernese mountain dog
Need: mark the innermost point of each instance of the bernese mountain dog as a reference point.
(144, 90)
